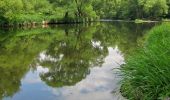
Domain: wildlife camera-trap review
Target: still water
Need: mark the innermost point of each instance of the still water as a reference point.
(66, 62)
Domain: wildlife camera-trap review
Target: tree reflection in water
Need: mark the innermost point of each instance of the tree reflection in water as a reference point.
(69, 58)
(68, 52)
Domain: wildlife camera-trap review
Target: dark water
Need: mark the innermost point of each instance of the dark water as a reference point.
(66, 62)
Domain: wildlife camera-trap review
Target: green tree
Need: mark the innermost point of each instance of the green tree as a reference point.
(107, 8)
(146, 8)
(10, 9)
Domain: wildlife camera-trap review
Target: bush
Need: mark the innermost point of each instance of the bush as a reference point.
(146, 75)
(139, 21)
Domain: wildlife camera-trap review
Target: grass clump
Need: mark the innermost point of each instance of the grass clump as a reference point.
(146, 75)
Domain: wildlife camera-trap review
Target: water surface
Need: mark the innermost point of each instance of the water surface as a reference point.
(66, 62)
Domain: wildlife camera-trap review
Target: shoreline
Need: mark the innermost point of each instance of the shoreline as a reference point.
(46, 22)
(144, 21)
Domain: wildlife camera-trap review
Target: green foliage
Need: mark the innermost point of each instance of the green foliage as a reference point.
(146, 74)
(38, 10)
(152, 9)
(19, 11)
(131, 9)
(8, 9)
(107, 8)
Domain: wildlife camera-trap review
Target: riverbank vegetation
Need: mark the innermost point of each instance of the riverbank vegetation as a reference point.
(146, 73)
(23, 11)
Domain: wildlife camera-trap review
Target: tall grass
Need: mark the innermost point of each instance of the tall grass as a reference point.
(147, 73)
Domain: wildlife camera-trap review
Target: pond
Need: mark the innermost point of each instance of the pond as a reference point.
(66, 62)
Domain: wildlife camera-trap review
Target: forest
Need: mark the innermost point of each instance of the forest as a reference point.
(12, 11)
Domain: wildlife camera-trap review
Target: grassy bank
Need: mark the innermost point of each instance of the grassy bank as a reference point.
(146, 74)
(144, 21)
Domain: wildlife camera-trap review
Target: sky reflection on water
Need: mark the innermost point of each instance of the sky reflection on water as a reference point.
(66, 62)
(98, 85)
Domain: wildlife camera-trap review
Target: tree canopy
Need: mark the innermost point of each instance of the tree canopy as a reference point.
(30, 10)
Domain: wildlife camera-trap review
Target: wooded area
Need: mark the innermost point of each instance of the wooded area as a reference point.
(12, 11)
